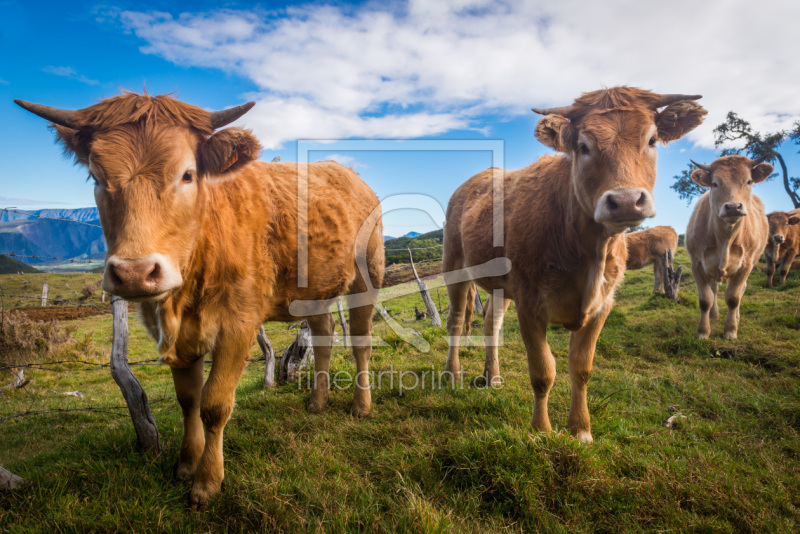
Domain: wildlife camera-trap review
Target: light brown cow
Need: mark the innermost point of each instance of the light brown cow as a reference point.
(783, 243)
(563, 218)
(726, 234)
(647, 247)
(206, 239)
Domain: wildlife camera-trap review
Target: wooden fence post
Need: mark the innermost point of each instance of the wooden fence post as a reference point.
(269, 358)
(44, 295)
(298, 354)
(103, 297)
(433, 313)
(135, 397)
(9, 480)
(342, 320)
(478, 303)
(672, 277)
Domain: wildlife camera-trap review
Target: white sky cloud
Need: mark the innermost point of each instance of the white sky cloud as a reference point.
(69, 72)
(429, 67)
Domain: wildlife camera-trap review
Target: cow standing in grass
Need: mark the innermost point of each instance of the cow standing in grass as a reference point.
(726, 234)
(647, 247)
(206, 239)
(563, 218)
(783, 243)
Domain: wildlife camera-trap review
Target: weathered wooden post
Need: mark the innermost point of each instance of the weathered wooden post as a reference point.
(478, 303)
(269, 358)
(10, 481)
(298, 354)
(44, 295)
(672, 277)
(433, 313)
(342, 320)
(103, 297)
(135, 397)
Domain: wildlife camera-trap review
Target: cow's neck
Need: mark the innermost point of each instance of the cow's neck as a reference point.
(726, 235)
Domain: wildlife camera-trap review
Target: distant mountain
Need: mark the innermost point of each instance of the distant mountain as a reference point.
(423, 247)
(12, 266)
(23, 234)
(387, 238)
(412, 234)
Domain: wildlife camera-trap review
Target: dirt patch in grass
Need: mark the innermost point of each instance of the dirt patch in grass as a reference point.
(57, 313)
(401, 272)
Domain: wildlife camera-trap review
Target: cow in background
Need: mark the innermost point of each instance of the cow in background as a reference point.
(647, 247)
(563, 217)
(726, 234)
(206, 238)
(783, 243)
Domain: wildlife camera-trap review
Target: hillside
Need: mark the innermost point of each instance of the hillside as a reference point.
(24, 234)
(12, 266)
(424, 247)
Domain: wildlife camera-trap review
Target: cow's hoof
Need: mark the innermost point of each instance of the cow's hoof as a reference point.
(186, 471)
(584, 436)
(359, 411)
(730, 335)
(316, 407)
(702, 335)
(201, 494)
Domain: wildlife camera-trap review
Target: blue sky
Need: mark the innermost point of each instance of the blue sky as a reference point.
(460, 70)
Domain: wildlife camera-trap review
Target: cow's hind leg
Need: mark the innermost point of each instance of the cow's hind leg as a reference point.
(458, 294)
(188, 388)
(582, 345)
(492, 322)
(541, 365)
(216, 405)
(361, 335)
(786, 263)
(322, 332)
(770, 270)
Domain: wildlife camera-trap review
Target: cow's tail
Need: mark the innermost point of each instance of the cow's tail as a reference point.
(470, 310)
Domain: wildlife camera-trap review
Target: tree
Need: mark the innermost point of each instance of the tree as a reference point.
(756, 145)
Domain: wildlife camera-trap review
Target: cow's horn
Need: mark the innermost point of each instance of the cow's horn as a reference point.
(62, 117)
(227, 116)
(759, 161)
(563, 110)
(701, 166)
(666, 100)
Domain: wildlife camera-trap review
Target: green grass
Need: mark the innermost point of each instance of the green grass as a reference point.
(447, 460)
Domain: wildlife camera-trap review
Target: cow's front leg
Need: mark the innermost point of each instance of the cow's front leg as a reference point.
(733, 296)
(541, 365)
(706, 297)
(216, 405)
(581, 355)
(770, 271)
(322, 332)
(188, 388)
(495, 310)
(458, 294)
(786, 263)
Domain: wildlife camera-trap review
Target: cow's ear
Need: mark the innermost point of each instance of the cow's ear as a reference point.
(761, 172)
(678, 119)
(701, 177)
(556, 132)
(794, 220)
(227, 151)
(75, 143)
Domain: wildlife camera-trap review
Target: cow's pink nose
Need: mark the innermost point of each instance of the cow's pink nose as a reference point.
(134, 276)
(778, 238)
(734, 209)
(625, 206)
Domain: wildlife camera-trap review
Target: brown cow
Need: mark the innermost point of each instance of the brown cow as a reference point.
(206, 238)
(647, 247)
(563, 218)
(783, 243)
(726, 234)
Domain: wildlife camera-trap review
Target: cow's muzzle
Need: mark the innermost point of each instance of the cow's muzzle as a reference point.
(778, 238)
(624, 208)
(732, 211)
(145, 278)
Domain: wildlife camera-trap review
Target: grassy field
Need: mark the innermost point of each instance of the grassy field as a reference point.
(443, 460)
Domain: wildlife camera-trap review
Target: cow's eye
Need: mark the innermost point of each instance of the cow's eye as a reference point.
(653, 141)
(91, 177)
(584, 148)
(187, 177)
(749, 182)
(713, 184)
